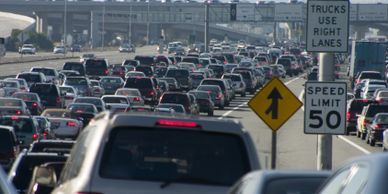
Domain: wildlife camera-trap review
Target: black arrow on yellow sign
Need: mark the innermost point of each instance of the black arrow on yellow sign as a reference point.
(273, 108)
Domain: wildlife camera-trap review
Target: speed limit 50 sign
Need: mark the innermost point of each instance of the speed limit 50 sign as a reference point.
(325, 108)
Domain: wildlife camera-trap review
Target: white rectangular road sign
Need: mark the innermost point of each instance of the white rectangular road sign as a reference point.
(327, 25)
(325, 108)
(372, 12)
(245, 12)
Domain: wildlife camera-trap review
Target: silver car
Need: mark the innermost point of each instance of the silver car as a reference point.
(238, 82)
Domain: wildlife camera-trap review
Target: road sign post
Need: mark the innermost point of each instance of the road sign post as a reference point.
(274, 104)
(327, 31)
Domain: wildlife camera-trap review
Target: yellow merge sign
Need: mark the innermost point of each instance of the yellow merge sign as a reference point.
(274, 104)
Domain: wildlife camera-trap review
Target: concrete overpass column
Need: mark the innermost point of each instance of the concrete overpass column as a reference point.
(155, 32)
(37, 24)
(95, 36)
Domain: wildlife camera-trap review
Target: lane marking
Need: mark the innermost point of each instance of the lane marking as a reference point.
(245, 103)
(365, 151)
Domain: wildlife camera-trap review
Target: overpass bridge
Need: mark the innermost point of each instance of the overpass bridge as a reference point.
(89, 20)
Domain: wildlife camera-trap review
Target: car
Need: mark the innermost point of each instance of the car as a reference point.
(9, 145)
(354, 108)
(32, 77)
(81, 84)
(96, 89)
(49, 94)
(146, 87)
(204, 101)
(249, 80)
(130, 62)
(364, 174)
(13, 106)
(98, 103)
(127, 48)
(366, 116)
(146, 69)
(25, 128)
(182, 76)
(116, 103)
(75, 66)
(23, 85)
(9, 87)
(217, 69)
(238, 82)
(21, 172)
(223, 85)
(62, 125)
(44, 128)
(69, 93)
(27, 49)
(119, 71)
(76, 48)
(367, 75)
(189, 66)
(187, 154)
(134, 74)
(96, 67)
(60, 49)
(179, 98)
(51, 74)
(32, 101)
(87, 56)
(196, 79)
(145, 60)
(376, 127)
(280, 182)
(133, 94)
(215, 93)
(111, 84)
(369, 90)
(172, 83)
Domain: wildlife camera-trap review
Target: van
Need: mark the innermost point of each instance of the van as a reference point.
(96, 67)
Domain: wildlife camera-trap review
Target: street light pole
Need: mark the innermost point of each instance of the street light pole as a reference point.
(130, 25)
(148, 22)
(64, 24)
(103, 26)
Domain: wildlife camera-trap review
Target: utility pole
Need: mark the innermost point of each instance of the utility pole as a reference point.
(103, 26)
(64, 25)
(130, 25)
(325, 146)
(91, 29)
(206, 37)
(275, 34)
(148, 22)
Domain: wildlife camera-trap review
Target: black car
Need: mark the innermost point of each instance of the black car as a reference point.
(96, 67)
(146, 87)
(217, 69)
(49, 95)
(204, 101)
(9, 146)
(32, 77)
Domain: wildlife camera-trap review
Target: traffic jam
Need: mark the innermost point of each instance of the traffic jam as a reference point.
(148, 125)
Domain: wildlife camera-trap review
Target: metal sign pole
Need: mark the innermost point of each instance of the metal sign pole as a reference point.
(326, 73)
(273, 150)
(206, 35)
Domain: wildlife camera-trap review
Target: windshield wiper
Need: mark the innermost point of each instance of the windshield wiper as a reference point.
(188, 179)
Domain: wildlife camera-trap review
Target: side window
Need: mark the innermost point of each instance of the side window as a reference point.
(77, 156)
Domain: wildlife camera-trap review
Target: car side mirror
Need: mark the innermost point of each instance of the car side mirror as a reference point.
(45, 176)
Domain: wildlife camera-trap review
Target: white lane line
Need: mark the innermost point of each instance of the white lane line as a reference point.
(301, 98)
(354, 144)
(245, 103)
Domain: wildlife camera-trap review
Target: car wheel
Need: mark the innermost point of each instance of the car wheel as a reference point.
(372, 142)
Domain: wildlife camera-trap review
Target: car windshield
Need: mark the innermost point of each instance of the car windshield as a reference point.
(186, 156)
(26, 96)
(138, 83)
(115, 100)
(30, 77)
(177, 73)
(234, 78)
(110, 80)
(10, 102)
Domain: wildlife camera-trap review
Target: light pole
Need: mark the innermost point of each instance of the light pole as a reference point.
(64, 24)
(148, 22)
(130, 25)
(103, 26)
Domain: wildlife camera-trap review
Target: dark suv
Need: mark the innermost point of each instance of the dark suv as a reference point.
(96, 67)
(9, 146)
(76, 66)
(49, 94)
(146, 87)
(179, 98)
(182, 76)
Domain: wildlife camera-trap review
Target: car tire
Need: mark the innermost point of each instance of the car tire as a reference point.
(363, 135)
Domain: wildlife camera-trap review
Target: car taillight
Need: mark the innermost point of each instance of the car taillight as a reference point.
(174, 123)
(376, 126)
(151, 93)
(71, 124)
(58, 99)
(34, 104)
(219, 96)
(35, 136)
(136, 99)
(18, 112)
(365, 100)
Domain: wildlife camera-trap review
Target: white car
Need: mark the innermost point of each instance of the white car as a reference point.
(59, 49)
(27, 49)
(69, 92)
(65, 127)
(133, 94)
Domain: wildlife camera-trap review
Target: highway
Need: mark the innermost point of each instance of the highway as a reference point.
(295, 149)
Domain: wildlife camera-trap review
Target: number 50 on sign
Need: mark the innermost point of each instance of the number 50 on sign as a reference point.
(325, 108)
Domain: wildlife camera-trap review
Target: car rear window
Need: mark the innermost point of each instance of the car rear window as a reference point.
(138, 83)
(19, 124)
(30, 77)
(191, 60)
(96, 102)
(95, 64)
(357, 105)
(44, 89)
(76, 81)
(234, 78)
(196, 76)
(145, 69)
(177, 73)
(214, 82)
(115, 100)
(47, 72)
(217, 68)
(74, 66)
(145, 60)
(370, 76)
(373, 110)
(26, 96)
(284, 62)
(179, 156)
(10, 102)
(175, 98)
